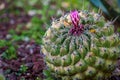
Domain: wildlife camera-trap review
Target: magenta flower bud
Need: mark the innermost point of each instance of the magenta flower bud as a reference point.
(77, 28)
(75, 18)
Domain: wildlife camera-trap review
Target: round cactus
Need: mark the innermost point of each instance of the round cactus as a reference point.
(81, 45)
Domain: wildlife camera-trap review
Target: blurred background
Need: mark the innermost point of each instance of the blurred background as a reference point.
(23, 24)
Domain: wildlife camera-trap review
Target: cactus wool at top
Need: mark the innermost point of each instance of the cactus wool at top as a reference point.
(81, 45)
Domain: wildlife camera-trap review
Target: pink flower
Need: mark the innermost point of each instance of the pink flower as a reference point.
(75, 18)
(77, 28)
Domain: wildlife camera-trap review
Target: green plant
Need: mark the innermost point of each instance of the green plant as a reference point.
(23, 68)
(10, 52)
(80, 46)
(22, 78)
(38, 78)
(35, 31)
(2, 43)
(118, 30)
(47, 73)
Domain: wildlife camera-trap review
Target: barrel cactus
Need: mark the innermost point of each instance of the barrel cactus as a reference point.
(81, 45)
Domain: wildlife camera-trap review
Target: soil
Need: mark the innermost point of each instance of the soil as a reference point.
(28, 53)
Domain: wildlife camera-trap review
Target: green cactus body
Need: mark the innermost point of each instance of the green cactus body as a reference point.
(2, 77)
(81, 46)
